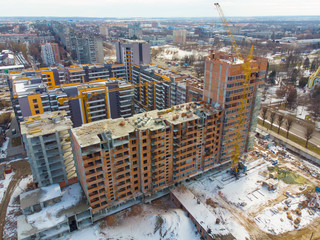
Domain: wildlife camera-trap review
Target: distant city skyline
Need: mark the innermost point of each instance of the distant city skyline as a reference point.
(158, 8)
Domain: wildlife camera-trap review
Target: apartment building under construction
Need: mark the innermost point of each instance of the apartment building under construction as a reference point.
(122, 159)
(165, 88)
(48, 144)
(83, 102)
(132, 52)
(223, 87)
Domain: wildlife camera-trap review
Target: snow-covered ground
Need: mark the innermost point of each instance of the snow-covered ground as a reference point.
(170, 52)
(302, 112)
(271, 96)
(13, 210)
(92, 232)
(3, 149)
(4, 184)
(151, 223)
(47, 217)
(246, 193)
(274, 219)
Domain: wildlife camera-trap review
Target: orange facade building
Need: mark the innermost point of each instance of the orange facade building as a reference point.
(223, 87)
(119, 160)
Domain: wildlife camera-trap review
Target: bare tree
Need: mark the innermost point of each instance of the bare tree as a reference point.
(264, 114)
(272, 118)
(280, 120)
(289, 123)
(309, 129)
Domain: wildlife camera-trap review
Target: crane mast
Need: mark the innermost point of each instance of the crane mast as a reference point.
(312, 78)
(243, 101)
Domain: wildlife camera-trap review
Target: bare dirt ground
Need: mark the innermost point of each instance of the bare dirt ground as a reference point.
(21, 170)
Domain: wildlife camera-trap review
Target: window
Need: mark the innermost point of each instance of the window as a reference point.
(145, 175)
(144, 140)
(37, 111)
(145, 181)
(36, 106)
(34, 100)
(144, 148)
(145, 168)
(144, 133)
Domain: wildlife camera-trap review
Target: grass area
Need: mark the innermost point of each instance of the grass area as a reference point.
(298, 140)
(16, 142)
(287, 176)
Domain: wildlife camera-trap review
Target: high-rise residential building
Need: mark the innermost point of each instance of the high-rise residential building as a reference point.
(50, 53)
(130, 52)
(89, 93)
(224, 76)
(135, 31)
(104, 30)
(47, 140)
(179, 36)
(87, 49)
(84, 47)
(120, 160)
(165, 87)
(83, 102)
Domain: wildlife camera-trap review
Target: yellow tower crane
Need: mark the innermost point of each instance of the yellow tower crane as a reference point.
(312, 78)
(243, 101)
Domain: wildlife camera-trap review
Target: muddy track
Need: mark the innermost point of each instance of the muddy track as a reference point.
(21, 169)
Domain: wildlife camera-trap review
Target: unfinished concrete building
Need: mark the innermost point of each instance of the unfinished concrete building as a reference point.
(224, 78)
(47, 140)
(119, 160)
(166, 88)
(83, 102)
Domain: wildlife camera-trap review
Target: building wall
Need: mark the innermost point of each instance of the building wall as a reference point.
(179, 36)
(66, 82)
(146, 161)
(223, 86)
(50, 157)
(50, 53)
(132, 54)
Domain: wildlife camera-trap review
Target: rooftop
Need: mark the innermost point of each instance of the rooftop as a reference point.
(40, 195)
(87, 134)
(46, 123)
(72, 202)
(198, 211)
(232, 59)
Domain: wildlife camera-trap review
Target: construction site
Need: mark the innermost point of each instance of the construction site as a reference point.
(127, 151)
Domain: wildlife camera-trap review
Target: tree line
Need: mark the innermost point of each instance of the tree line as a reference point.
(287, 122)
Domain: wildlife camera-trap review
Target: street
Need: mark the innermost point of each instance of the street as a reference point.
(298, 129)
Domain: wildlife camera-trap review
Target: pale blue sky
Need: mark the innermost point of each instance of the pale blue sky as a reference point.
(157, 8)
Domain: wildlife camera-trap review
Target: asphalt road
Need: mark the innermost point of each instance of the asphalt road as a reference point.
(299, 130)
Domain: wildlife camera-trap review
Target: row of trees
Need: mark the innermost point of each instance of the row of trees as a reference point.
(287, 121)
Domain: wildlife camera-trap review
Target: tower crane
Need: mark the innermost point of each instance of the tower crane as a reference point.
(312, 78)
(243, 101)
